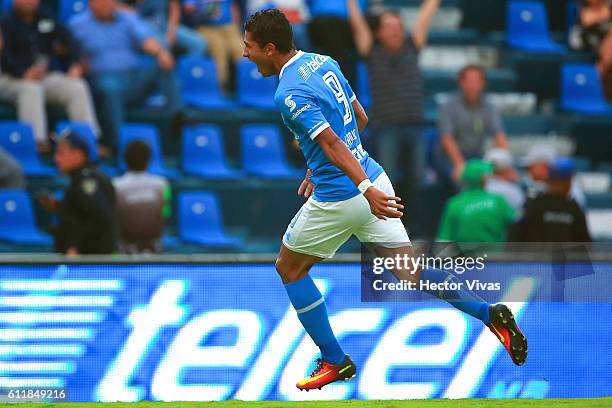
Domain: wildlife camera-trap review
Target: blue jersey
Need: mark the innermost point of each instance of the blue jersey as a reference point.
(313, 95)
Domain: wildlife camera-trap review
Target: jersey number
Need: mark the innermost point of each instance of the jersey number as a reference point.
(331, 80)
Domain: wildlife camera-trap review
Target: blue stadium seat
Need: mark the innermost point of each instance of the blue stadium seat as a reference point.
(200, 221)
(149, 134)
(18, 140)
(204, 153)
(254, 89)
(363, 85)
(582, 90)
(527, 27)
(70, 8)
(17, 220)
(263, 153)
(200, 86)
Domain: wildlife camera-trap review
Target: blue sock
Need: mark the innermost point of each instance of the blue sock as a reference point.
(462, 299)
(310, 307)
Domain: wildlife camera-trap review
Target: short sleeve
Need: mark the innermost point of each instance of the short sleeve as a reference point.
(138, 28)
(301, 113)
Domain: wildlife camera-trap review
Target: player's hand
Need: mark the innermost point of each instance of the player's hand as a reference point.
(307, 187)
(382, 205)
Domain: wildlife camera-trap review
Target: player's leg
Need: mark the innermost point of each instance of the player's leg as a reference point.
(315, 233)
(391, 233)
(308, 302)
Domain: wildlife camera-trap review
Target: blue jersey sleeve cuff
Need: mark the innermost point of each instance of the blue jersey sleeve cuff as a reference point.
(318, 130)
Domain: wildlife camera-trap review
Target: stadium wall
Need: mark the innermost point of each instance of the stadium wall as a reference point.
(181, 329)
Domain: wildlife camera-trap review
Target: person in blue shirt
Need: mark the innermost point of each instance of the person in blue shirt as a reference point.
(113, 42)
(348, 194)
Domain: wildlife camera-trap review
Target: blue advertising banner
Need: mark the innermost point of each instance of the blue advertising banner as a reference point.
(214, 332)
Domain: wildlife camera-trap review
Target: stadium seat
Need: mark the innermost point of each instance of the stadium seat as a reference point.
(527, 27)
(363, 85)
(204, 153)
(254, 90)
(18, 140)
(149, 134)
(17, 220)
(70, 8)
(200, 221)
(200, 86)
(263, 153)
(582, 90)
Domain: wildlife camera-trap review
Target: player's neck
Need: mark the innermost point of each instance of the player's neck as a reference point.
(283, 59)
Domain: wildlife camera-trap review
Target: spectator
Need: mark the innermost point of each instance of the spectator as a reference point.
(112, 41)
(397, 92)
(297, 13)
(143, 202)
(35, 47)
(219, 22)
(87, 211)
(164, 17)
(552, 215)
(11, 175)
(594, 32)
(330, 32)
(476, 215)
(504, 180)
(538, 161)
(468, 119)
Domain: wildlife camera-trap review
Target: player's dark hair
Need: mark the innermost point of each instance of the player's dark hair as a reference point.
(137, 155)
(271, 26)
(472, 67)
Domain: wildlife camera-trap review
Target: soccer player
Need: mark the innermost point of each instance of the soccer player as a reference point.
(348, 193)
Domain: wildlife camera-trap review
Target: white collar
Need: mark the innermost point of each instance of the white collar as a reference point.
(297, 56)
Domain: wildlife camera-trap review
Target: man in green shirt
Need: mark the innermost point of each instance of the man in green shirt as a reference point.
(475, 215)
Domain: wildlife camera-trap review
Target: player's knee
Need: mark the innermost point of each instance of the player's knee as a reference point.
(289, 273)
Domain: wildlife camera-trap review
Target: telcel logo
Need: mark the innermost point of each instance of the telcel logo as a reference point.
(285, 356)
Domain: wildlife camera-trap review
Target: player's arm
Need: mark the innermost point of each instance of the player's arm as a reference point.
(337, 153)
(360, 115)
(421, 28)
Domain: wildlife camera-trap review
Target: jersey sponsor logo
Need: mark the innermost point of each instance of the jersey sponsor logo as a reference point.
(300, 111)
(316, 62)
(304, 72)
(290, 103)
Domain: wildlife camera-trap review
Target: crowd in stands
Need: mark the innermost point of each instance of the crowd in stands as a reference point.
(115, 56)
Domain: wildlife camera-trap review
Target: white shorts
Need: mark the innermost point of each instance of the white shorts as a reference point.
(320, 228)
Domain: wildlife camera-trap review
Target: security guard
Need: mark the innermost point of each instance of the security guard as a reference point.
(86, 214)
(475, 215)
(553, 215)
